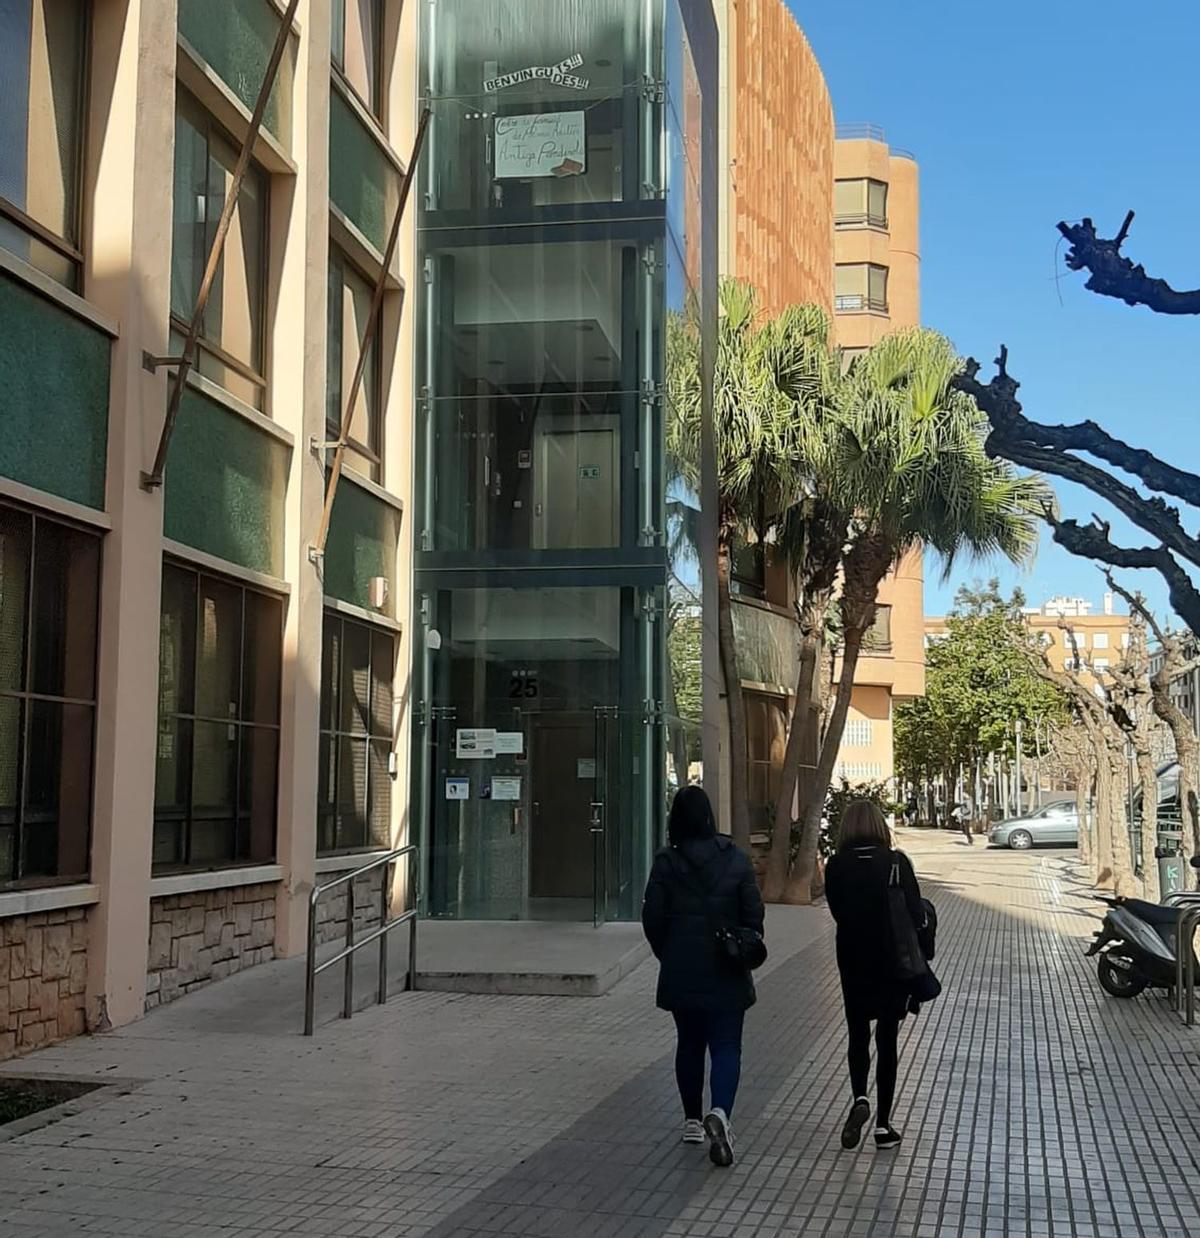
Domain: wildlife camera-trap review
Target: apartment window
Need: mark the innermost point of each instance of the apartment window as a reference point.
(878, 638)
(766, 739)
(49, 598)
(860, 286)
(860, 203)
(859, 771)
(1100, 640)
(232, 331)
(220, 647)
(1100, 665)
(42, 69)
(349, 305)
(850, 356)
(857, 733)
(1124, 640)
(354, 806)
(358, 48)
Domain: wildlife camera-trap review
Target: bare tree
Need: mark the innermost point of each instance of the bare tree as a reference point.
(1174, 665)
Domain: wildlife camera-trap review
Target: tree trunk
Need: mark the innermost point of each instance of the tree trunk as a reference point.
(1083, 785)
(800, 886)
(739, 809)
(1148, 779)
(1102, 857)
(1187, 753)
(1124, 881)
(801, 741)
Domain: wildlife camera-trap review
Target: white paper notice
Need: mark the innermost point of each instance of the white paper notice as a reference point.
(585, 767)
(543, 144)
(458, 788)
(506, 788)
(475, 743)
(510, 742)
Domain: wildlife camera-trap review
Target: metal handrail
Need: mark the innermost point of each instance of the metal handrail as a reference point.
(346, 954)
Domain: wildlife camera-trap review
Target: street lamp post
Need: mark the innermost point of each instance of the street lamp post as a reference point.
(1018, 787)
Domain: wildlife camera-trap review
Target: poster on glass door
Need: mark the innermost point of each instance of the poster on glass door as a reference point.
(541, 144)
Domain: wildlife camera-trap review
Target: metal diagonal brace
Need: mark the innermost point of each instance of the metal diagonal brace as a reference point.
(316, 551)
(154, 478)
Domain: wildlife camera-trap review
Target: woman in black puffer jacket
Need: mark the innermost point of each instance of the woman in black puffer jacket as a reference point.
(698, 883)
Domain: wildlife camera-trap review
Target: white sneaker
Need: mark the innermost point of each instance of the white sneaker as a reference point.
(720, 1138)
(693, 1131)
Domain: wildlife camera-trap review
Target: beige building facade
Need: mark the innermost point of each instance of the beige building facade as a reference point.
(877, 289)
(200, 717)
(1077, 638)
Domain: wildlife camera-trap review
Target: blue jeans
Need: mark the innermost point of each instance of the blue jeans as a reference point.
(719, 1034)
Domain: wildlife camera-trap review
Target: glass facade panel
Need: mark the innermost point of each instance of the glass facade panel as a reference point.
(355, 793)
(349, 307)
(232, 330)
(49, 603)
(220, 654)
(42, 62)
(237, 47)
(558, 561)
(357, 48)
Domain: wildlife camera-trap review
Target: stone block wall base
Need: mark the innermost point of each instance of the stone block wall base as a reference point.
(43, 979)
(198, 938)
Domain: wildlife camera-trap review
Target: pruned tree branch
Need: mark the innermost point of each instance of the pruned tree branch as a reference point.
(1112, 275)
(1034, 446)
(1093, 542)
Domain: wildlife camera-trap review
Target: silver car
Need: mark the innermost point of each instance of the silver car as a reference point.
(1054, 825)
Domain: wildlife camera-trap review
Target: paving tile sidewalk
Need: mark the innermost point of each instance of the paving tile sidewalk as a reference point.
(1033, 1105)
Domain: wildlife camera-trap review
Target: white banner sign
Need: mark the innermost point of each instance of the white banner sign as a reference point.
(543, 144)
(556, 74)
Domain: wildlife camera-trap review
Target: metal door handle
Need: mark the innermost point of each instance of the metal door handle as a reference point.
(596, 825)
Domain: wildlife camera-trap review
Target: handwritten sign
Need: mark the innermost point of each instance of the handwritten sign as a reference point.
(544, 144)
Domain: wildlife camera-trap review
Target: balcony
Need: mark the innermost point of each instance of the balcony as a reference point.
(863, 219)
(858, 303)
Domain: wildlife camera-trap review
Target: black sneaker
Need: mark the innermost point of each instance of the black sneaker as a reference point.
(860, 1115)
(886, 1137)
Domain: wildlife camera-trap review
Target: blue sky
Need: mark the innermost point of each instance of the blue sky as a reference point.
(1020, 115)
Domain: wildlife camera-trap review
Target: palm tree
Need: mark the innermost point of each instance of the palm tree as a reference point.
(762, 367)
(908, 460)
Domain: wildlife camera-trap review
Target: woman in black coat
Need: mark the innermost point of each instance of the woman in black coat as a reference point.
(856, 889)
(697, 884)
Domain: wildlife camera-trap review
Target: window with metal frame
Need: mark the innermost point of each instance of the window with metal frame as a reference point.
(219, 671)
(354, 799)
(232, 342)
(43, 63)
(859, 287)
(49, 606)
(350, 295)
(860, 202)
(878, 637)
(766, 739)
(357, 49)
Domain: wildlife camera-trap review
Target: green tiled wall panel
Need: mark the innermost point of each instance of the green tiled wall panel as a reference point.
(225, 486)
(54, 372)
(363, 184)
(363, 535)
(235, 38)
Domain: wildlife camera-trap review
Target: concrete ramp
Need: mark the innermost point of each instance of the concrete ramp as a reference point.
(526, 957)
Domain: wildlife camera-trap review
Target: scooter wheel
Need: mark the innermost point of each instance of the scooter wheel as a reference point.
(1119, 981)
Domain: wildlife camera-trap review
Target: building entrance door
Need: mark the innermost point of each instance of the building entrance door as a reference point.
(562, 867)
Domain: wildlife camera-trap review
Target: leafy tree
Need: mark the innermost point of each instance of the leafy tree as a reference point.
(908, 461)
(762, 369)
(980, 680)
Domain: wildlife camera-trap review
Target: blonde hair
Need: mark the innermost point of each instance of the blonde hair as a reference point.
(864, 825)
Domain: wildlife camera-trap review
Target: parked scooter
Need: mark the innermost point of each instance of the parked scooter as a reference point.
(1136, 945)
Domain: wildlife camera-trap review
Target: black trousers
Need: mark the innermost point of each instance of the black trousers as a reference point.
(887, 1032)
